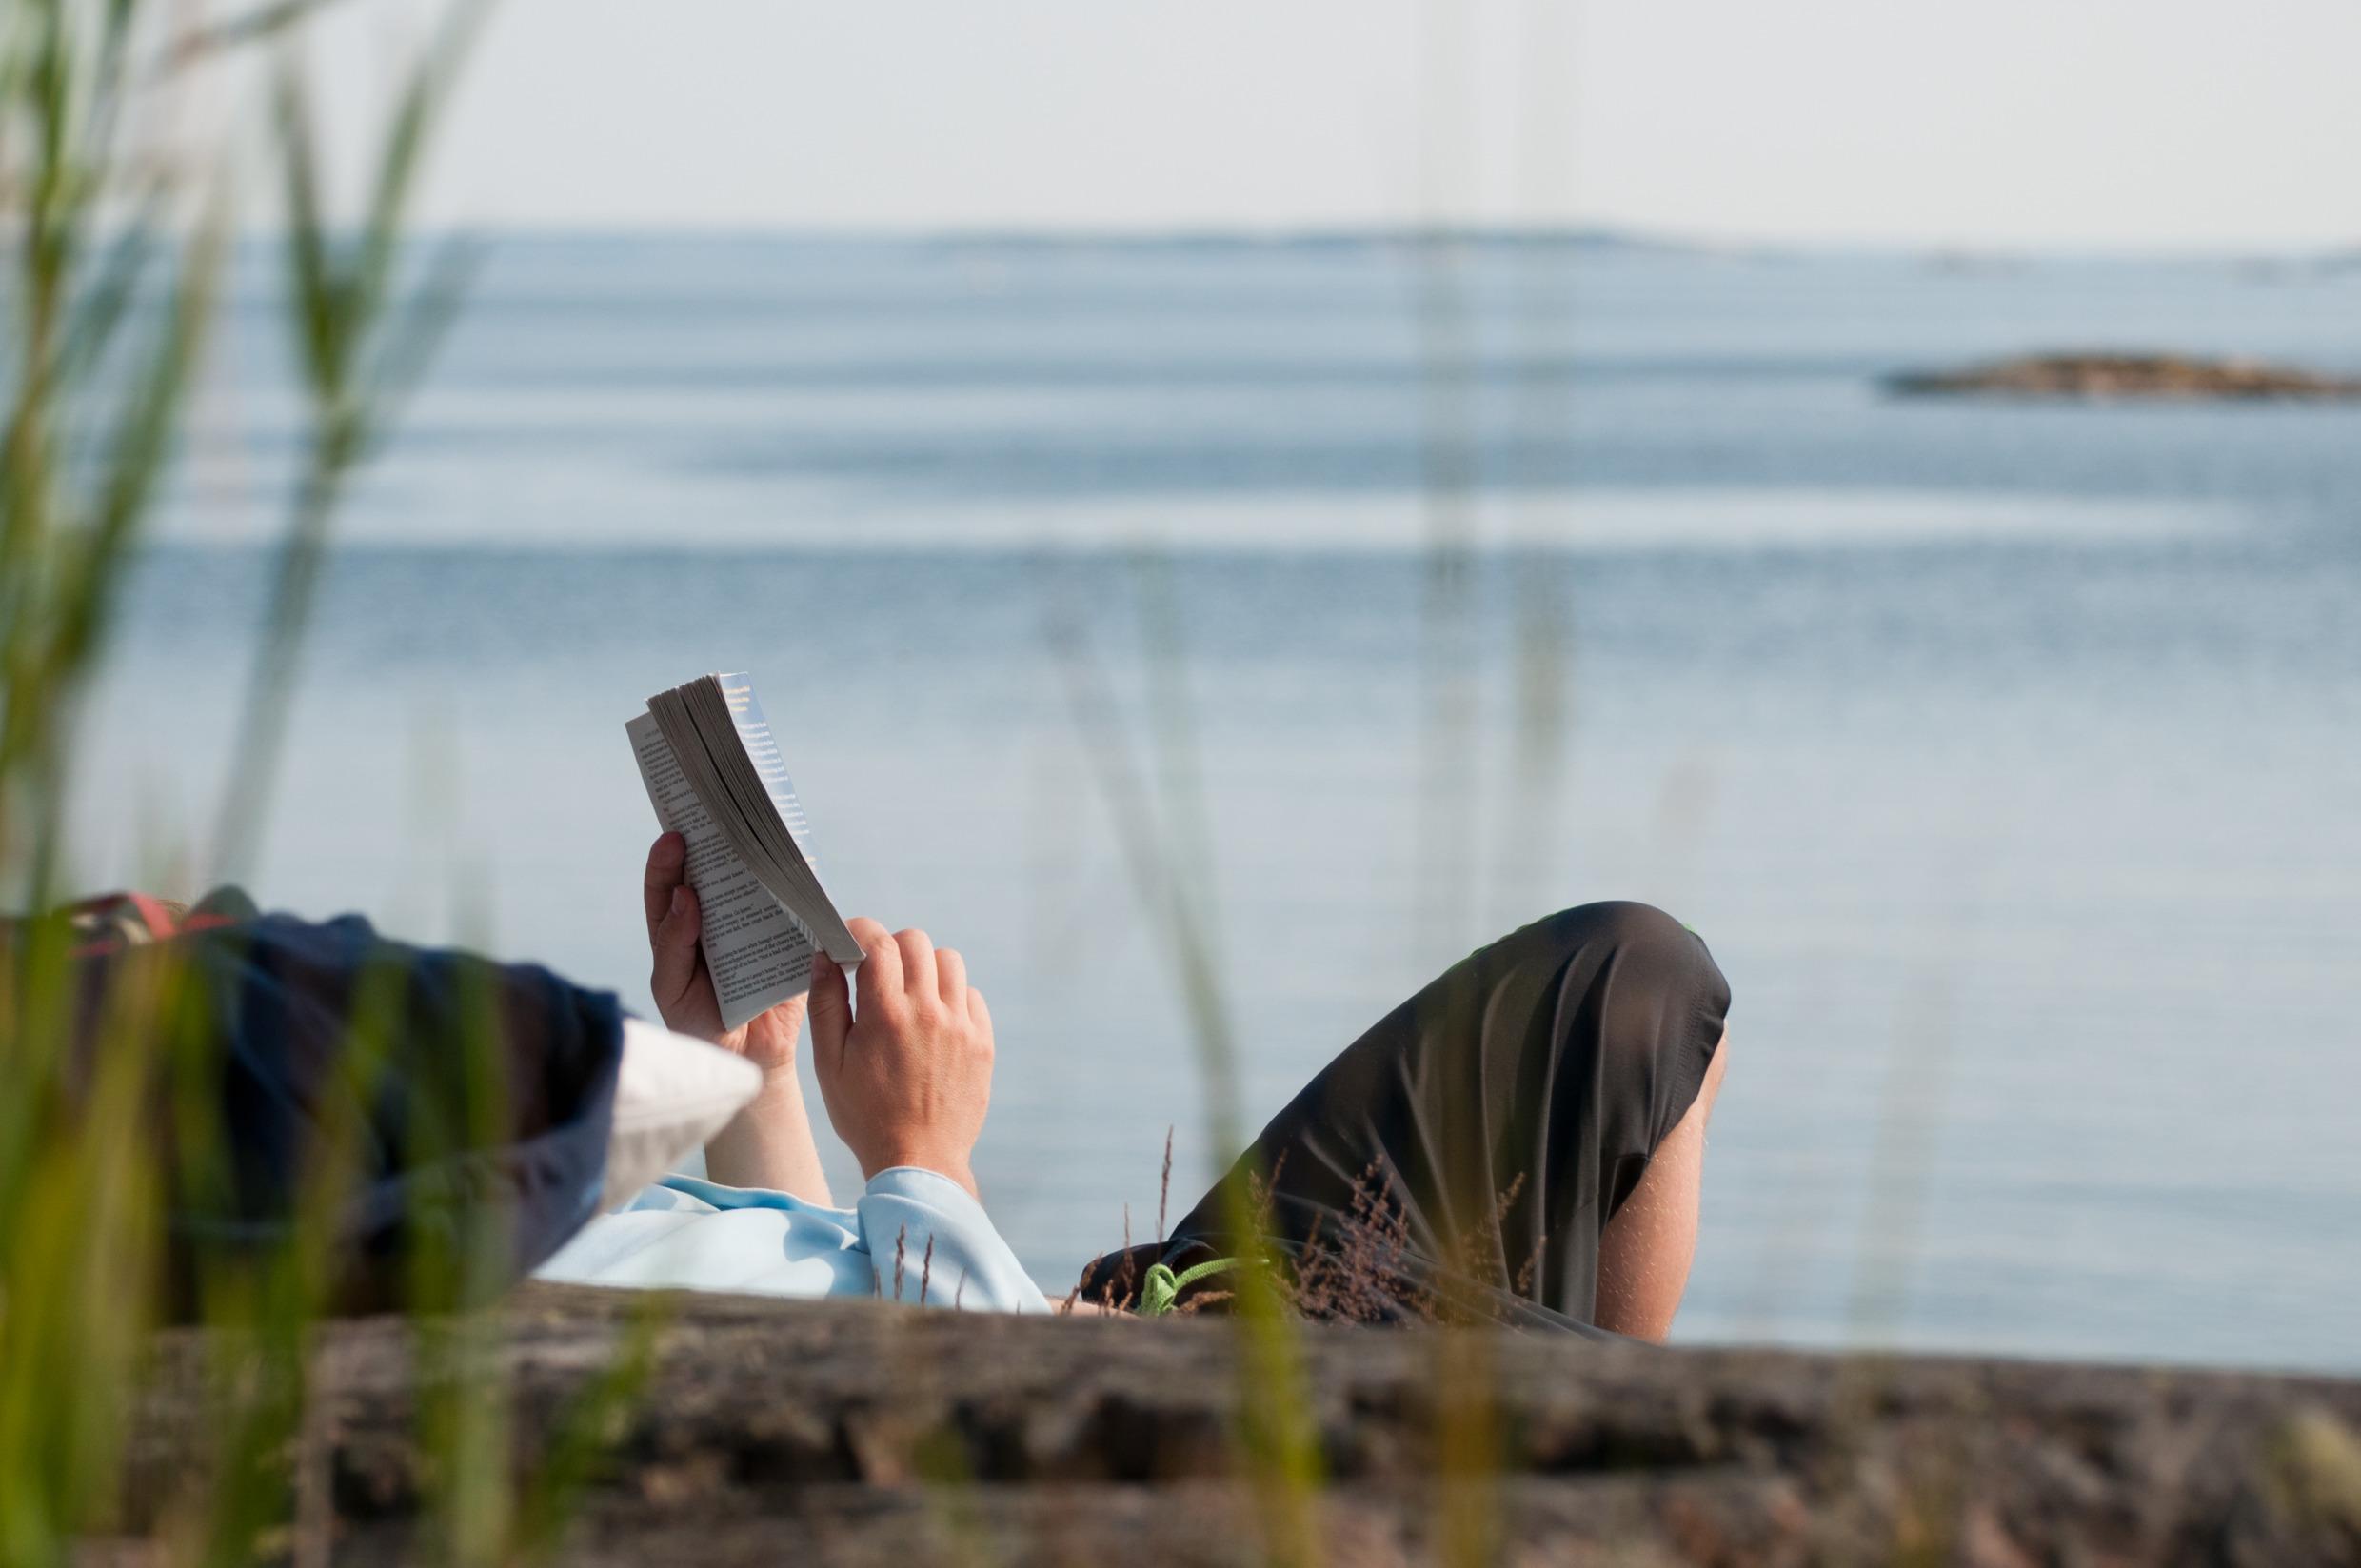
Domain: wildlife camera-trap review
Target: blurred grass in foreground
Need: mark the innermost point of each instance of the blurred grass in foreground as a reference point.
(111, 1138)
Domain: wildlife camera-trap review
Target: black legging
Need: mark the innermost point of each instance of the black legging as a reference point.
(1468, 1151)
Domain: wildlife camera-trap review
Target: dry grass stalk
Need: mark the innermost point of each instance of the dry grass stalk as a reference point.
(1163, 1191)
(1364, 1266)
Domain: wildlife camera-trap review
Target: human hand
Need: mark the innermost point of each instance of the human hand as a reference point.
(684, 988)
(907, 1075)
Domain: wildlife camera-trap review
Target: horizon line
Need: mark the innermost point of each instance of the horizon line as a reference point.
(1605, 236)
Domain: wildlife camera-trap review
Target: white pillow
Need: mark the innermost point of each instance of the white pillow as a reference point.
(671, 1094)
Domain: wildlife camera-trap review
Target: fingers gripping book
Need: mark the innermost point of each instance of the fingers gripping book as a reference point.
(716, 778)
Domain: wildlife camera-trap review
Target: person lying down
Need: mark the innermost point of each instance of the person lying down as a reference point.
(1523, 1138)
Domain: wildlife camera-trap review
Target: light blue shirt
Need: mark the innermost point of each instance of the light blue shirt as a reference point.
(690, 1234)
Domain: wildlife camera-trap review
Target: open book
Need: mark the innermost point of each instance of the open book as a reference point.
(716, 778)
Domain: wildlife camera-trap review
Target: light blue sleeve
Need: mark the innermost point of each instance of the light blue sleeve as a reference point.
(906, 1210)
(687, 1234)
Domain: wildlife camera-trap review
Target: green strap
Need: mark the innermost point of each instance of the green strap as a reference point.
(1161, 1289)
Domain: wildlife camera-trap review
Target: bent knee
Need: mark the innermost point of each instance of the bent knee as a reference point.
(1621, 925)
(1647, 950)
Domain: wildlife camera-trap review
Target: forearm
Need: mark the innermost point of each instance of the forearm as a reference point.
(770, 1145)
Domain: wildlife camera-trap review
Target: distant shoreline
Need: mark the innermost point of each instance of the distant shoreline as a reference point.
(1597, 240)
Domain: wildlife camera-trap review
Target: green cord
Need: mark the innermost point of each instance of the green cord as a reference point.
(1161, 1289)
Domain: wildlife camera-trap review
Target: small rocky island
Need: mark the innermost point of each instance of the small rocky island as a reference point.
(2097, 377)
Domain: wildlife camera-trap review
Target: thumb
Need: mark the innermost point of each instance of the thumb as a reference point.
(831, 1013)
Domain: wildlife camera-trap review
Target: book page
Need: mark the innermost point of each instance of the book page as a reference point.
(753, 729)
(820, 915)
(758, 954)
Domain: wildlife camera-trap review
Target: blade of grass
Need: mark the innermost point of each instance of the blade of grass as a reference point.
(361, 358)
(1277, 1440)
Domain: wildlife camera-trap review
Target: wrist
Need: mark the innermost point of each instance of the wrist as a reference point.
(771, 1114)
(768, 1143)
(951, 1168)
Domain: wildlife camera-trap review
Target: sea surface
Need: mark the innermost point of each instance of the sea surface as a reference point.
(2008, 756)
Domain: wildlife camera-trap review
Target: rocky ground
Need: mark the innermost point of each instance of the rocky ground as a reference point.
(853, 1433)
(2107, 376)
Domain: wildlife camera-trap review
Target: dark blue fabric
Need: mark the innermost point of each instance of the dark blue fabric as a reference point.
(300, 1016)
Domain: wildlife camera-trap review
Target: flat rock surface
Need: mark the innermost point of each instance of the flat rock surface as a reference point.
(836, 1432)
(2107, 376)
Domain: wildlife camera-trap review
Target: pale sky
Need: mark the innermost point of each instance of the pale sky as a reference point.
(2000, 123)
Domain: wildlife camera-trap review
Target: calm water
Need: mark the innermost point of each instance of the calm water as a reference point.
(2006, 756)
